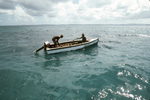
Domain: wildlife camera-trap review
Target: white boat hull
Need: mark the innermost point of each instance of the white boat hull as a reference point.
(73, 47)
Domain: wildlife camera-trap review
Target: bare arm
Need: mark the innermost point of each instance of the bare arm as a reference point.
(80, 37)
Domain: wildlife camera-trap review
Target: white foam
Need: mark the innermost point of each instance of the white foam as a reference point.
(143, 35)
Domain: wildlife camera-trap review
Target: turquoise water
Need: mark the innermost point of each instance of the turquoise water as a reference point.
(117, 68)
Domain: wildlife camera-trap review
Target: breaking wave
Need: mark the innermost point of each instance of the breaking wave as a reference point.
(134, 35)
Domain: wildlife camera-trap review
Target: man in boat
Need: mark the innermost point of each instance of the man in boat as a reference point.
(83, 38)
(55, 39)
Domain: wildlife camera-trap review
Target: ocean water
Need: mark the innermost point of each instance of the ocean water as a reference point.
(117, 68)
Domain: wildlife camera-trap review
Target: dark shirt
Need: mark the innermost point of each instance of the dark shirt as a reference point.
(83, 39)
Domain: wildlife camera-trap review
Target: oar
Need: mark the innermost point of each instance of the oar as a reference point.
(75, 39)
(35, 51)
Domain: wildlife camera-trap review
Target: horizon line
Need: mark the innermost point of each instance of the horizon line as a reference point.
(71, 24)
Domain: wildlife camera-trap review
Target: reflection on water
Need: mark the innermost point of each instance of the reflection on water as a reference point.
(51, 63)
(91, 50)
(102, 86)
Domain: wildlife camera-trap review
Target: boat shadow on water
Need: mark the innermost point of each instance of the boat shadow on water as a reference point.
(91, 50)
(53, 61)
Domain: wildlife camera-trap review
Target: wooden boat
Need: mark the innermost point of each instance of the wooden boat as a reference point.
(68, 46)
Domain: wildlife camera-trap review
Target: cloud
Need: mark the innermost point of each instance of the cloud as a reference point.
(58, 1)
(141, 15)
(98, 4)
(75, 11)
(7, 5)
(20, 14)
(36, 5)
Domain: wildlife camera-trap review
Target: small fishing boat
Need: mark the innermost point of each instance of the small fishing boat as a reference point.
(68, 46)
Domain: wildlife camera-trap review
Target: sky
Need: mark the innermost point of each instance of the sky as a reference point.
(34, 12)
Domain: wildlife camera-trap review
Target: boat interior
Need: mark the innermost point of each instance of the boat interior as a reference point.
(66, 44)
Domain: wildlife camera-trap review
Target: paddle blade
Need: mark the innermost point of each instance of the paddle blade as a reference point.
(35, 51)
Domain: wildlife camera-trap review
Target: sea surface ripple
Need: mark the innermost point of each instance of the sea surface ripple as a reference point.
(117, 68)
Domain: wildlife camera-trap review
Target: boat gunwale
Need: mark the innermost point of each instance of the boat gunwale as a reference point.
(80, 44)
